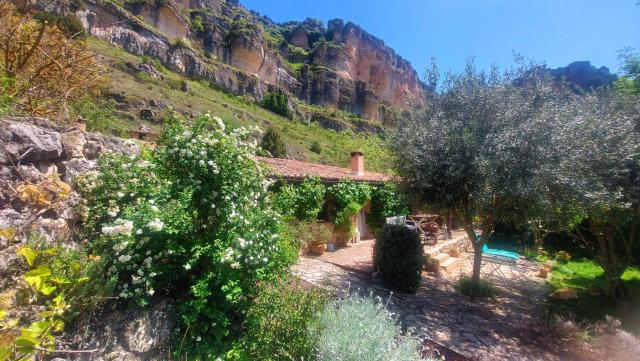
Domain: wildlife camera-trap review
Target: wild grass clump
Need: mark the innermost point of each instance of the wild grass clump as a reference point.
(483, 289)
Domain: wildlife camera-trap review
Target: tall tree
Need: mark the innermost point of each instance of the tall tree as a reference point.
(629, 82)
(597, 142)
(475, 146)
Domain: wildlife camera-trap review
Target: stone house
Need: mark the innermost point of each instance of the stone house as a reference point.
(292, 171)
(143, 132)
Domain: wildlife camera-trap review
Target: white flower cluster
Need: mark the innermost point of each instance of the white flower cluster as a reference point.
(119, 227)
(156, 225)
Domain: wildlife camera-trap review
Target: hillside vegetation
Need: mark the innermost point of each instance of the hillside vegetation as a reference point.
(129, 92)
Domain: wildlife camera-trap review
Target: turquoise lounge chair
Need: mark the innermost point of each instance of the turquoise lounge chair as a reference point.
(500, 252)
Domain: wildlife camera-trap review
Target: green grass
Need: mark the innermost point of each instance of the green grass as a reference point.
(240, 111)
(584, 274)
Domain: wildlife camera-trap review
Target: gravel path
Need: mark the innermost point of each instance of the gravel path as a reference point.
(508, 328)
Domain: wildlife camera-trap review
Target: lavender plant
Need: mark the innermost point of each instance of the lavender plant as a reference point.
(361, 329)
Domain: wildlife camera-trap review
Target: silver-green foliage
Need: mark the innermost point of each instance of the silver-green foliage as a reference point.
(361, 329)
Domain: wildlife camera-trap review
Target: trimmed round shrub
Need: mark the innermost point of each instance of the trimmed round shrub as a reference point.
(398, 256)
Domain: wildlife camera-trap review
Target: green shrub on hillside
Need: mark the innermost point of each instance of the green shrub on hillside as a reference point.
(361, 329)
(277, 102)
(273, 143)
(100, 115)
(69, 24)
(315, 147)
(197, 25)
(398, 256)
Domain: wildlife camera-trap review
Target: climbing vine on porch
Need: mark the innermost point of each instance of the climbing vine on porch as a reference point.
(349, 198)
(386, 201)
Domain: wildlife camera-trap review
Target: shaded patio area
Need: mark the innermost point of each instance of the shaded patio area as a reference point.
(358, 257)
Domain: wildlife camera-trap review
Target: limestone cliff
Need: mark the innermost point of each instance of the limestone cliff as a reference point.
(340, 66)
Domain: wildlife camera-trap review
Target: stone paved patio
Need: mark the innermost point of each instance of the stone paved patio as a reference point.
(508, 328)
(357, 257)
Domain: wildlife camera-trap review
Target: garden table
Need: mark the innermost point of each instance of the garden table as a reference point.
(426, 226)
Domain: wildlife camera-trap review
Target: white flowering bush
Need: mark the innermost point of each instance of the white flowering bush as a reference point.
(190, 220)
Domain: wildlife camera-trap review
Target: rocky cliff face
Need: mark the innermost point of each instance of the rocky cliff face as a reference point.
(340, 67)
(368, 73)
(582, 76)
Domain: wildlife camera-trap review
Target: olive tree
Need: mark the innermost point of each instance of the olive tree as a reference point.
(597, 145)
(476, 146)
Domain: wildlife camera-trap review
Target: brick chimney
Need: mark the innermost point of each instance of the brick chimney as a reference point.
(81, 124)
(357, 163)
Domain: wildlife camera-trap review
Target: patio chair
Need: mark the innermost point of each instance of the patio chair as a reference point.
(493, 259)
(402, 221)
(397, 220)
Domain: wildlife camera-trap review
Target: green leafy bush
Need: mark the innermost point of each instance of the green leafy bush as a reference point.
(308, 232)
(386, 201)
(100, 115)
(361, 329)
(272, 142)
(349, 199)
(284, 201)
(197, 25)
(482, 289)
(563, 257)
(67, 284)
(190, 221)
(315, 147)
(69, 24)
(398, 256)
(278, 102)
(276, 325)
(309, 199)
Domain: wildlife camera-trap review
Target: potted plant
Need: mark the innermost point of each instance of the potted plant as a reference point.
(317, 247)
(317, 236)
(454, 252)
(543, 272)
(431, 264)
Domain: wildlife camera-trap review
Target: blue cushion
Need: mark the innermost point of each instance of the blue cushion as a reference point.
(500, 252)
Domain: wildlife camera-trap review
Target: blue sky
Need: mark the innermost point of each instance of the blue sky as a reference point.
(556, 32)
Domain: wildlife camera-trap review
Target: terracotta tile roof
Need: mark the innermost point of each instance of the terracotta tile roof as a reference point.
(298, 170)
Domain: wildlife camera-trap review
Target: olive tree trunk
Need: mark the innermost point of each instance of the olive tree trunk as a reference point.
(478, 243)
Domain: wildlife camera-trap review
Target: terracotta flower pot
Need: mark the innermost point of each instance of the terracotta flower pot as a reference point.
(317, 248)
(454, 254)
(432, 267)
(543, 272)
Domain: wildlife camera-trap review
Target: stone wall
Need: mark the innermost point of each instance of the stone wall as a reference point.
(38, 156)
